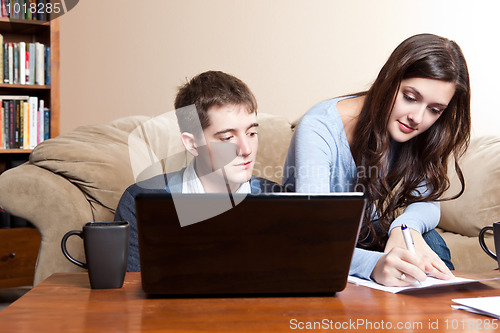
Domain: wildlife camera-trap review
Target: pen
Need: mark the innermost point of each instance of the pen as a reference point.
(408, 239)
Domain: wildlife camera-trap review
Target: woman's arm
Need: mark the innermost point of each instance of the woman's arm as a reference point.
(309, 161)
(420, 216)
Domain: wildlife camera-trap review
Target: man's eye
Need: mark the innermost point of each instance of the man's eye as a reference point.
(226, 138)
(251, 134)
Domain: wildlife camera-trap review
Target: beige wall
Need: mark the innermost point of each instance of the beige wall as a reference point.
(125, 57)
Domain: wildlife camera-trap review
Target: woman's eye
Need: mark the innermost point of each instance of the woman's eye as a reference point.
(252, 134)
(409, 98)
(437, 111)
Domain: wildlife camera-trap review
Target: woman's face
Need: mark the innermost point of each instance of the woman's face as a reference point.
(419, 103)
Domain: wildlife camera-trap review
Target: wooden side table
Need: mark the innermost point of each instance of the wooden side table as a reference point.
(18, 254)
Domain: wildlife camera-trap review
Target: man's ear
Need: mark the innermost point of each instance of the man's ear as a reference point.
(189, 142)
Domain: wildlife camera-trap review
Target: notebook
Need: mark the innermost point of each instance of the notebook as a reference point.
(262, 244)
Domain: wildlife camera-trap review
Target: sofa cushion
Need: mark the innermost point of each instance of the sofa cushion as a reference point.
(479, 205)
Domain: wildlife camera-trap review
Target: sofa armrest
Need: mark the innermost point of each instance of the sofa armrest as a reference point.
(54, 206)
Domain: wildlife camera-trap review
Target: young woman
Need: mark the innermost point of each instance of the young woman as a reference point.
(392, 143)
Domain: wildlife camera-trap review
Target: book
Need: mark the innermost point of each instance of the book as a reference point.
(40, 16)
(26, 125)
(2, 130)
(22, 62)
(10, 51)
(33, 129)
(18, 125)
(27, 66)
(31, 52)
(15, 9)
(4, 8)
(5, 63)
(46, 124)
(15, 59)
(1, 58)
(6, 124)
(39, 66)
(40, 123)
(47, 65)
(12, 124)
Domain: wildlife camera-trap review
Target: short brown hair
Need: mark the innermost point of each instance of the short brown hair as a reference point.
(206, 90)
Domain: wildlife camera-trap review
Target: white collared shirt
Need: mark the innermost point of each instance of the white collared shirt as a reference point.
(192, 184)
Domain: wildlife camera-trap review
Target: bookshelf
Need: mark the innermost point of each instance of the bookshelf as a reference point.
(45, 32)
(19, 244)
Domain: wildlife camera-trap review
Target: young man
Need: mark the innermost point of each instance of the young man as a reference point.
(217, 116)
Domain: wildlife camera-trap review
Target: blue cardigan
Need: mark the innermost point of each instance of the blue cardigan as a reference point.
(319, 160)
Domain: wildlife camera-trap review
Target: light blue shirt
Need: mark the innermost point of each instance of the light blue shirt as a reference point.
(319, 160)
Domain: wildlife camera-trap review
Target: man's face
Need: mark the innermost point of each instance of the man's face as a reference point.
(232, 142)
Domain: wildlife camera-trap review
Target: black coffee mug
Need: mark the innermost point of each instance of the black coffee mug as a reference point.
(496, 238)
(106, 252)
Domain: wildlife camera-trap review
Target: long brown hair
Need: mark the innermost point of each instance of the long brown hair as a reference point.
(423, 159)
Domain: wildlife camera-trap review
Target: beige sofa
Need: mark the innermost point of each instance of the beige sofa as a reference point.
(79, 177)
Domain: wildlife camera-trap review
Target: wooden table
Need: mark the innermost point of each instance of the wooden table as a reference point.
(65, 303)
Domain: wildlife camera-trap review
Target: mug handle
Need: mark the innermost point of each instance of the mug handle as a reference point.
(483, 244)
(65, 251)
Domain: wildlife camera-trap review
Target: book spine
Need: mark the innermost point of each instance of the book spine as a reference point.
(33, 4)
(27, 67)
(22, 62)
(4, 8)
(47, 65)
(1, 58)
(26, 125)
(32, 63)
(23, 15)
(41, 14)
(14, 12)
(33, 103)
(15, 58)
(6, 124)
(29, 14)
(6, 63)
(11, 62)
(46, 123)
(12, 124)
(39, 67)
(40, 121)
(17, 120)
(2, 125)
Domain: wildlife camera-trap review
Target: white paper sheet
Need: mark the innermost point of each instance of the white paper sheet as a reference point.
(430, 282)
(488, 306)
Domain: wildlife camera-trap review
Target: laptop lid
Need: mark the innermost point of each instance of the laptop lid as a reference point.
(282, 243)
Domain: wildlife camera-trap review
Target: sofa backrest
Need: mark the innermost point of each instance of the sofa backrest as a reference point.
(103, 160)
(479, 205)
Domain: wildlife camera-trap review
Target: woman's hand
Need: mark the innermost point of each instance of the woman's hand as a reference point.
(398, 268)
(398, 261)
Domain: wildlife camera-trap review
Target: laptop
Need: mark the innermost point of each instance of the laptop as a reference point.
(265, 244)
